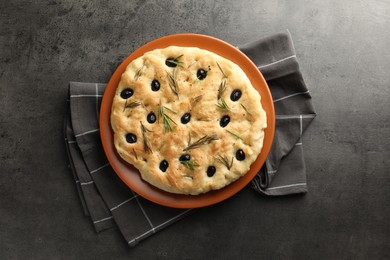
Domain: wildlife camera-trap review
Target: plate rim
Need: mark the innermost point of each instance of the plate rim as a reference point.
(157, 195)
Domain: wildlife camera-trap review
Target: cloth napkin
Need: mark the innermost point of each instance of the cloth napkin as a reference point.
(284, 171)
(109, 202)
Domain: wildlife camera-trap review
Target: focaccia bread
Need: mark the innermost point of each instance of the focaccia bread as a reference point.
(188, 119)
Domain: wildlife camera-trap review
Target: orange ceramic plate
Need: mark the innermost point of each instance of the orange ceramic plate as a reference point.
(131, 176)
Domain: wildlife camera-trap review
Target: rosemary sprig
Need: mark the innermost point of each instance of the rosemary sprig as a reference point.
(146, 142)
(222, 105)
(204, 140)
(196, 99)
(161, 146)
(203, 119)
(224, 160)
(173, 83)
(167, 108)
(135, 154)
(138, 73)
(192, 63)
(132, 104)
(246, 110)
(222, 88)
(223, 72)
(191, 164)
(189, 138)
(176, 61)
(234, 134)
(167, 120)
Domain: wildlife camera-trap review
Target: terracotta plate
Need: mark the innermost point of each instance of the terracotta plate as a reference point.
(131, 176)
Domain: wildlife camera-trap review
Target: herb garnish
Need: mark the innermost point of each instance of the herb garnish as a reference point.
(189, 138)
(138, 73)
(246, 110)
(196, 100)
(176, 60)
(234, 134)
(204, 140)
(190, 164)
(172, 82)
(132, 104)
(167, 120)
(224, 160)
(222, 105)
(146, 142)
(192, 63)
(223, 72)
(222, 88)
(135, 154)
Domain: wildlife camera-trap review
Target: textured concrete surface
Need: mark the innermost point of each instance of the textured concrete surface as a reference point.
(343, 49)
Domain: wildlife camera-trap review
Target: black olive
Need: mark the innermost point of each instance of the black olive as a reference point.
(126, 93)
(240, 155)
(155, 85)
(151, 118)
(224, 121)
(131, 138)
(201, 74)
(185, 118)
(236, 94)
(170, 62)
(185, 157)
(211, 171)
(164, 165)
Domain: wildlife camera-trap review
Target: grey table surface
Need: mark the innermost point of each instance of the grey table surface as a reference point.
(344, 53)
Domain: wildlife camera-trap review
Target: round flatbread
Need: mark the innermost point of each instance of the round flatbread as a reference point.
(188, 119)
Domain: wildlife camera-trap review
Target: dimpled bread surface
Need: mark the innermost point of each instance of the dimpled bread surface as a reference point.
(188, 119)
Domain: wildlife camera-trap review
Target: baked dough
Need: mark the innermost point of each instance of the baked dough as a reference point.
(188, 119)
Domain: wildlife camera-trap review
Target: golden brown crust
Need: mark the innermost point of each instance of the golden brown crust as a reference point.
(203, 138)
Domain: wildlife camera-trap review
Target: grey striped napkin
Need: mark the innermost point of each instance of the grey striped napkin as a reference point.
(105, 198)
(108, 202)
(284, 170)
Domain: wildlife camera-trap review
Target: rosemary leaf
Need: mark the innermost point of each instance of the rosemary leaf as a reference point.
(135, 154)
(172, 82)
(144, 129)
(204, 140)
(223, 72)
(145, 140)
(167, 125)
(170, 119)
(167, 108)
(167, 120)
(132, 104)
(196, 100)
(176, 61)
(189, 139)
(138, 73)
(222, 105)
(222, 88)
(246, 110)
(234, 134)
(224, 160)
(192, 63)
(191, 164)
